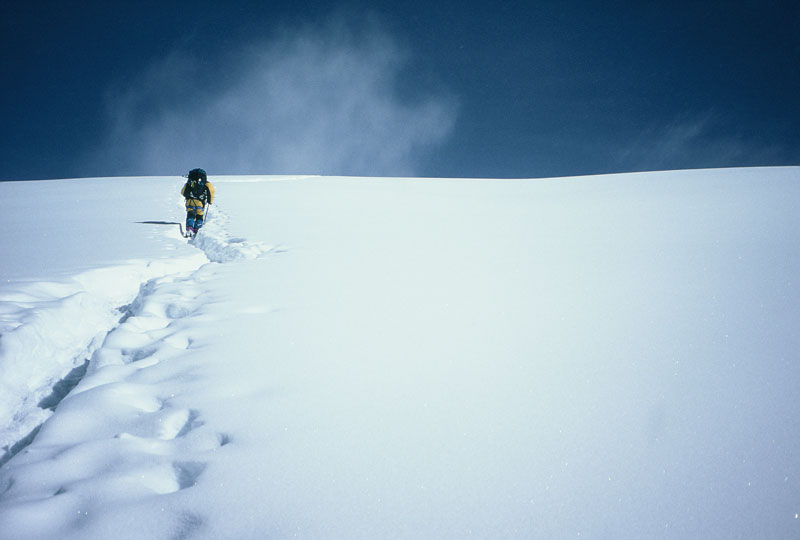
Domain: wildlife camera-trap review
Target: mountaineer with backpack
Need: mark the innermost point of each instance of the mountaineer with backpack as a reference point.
(197, 191)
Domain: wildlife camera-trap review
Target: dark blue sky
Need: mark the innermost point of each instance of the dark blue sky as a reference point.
(487, 89)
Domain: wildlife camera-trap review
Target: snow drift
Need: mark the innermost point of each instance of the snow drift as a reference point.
(603, 357)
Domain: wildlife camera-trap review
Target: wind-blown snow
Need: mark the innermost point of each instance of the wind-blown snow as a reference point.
(602, 357)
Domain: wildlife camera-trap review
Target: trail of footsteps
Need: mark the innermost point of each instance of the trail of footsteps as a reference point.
(219, 246)
(125, 430)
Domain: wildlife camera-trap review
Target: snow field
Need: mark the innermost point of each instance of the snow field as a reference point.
(524, 358)
(608, 357)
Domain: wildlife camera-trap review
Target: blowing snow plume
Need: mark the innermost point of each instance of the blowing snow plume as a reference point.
(319, 99)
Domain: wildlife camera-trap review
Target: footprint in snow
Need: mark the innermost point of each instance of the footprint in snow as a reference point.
(177, 423)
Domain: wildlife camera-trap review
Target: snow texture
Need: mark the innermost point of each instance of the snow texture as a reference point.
(599, 357)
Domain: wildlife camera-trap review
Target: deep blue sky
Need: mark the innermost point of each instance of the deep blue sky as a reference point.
(521, 89)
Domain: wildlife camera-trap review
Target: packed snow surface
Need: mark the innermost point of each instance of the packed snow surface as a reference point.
(599, 357)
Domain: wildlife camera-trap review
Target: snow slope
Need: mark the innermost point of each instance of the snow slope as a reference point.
(600, 357)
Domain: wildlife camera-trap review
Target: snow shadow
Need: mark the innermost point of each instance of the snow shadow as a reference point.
(158, 222)
(64, 386)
